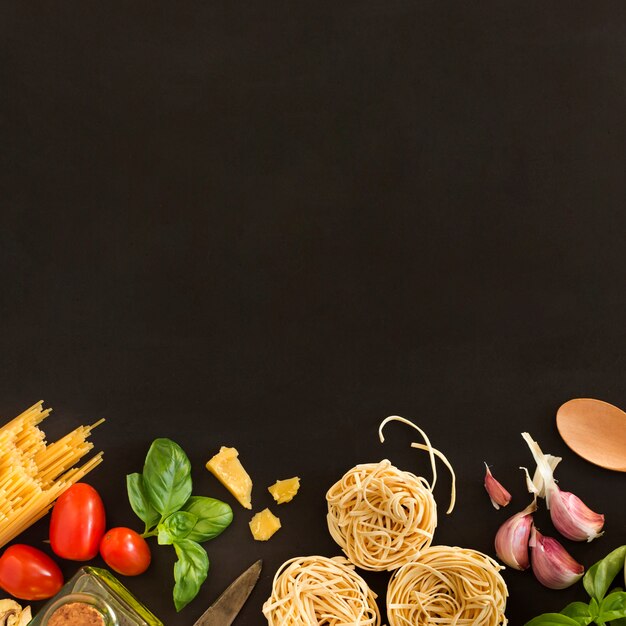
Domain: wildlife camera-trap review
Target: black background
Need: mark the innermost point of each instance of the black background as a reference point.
(270, 225)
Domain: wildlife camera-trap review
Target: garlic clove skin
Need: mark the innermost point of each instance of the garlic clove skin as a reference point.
(536, 484)
(498, 495)
(552, 564)
(572, 517)
(552, 461)
(511, 541)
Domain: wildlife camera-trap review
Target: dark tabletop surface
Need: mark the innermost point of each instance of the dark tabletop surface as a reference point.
(270, 225)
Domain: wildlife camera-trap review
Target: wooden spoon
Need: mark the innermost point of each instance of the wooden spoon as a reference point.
(595, 430)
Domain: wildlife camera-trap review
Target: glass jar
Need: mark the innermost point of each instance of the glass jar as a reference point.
(100, 598)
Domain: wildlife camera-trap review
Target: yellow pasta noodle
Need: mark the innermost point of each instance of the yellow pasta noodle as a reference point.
(318, 590)
(32, 473)
(449, 587)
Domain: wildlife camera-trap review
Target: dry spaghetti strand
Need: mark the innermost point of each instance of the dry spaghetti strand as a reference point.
(317, 590)
(448, 586)
(32, 473)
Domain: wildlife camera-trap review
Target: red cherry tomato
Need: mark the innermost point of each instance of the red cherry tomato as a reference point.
(29, 574)
(78, 523)
(125, 551)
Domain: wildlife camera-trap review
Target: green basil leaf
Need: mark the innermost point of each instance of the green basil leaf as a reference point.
(213, 517)
(176, 527)
(619, 622)
(613, 606)
(552, 619)
(598, 578)
(190, 571)
(139, 501)
(167, 476)
(580, 612)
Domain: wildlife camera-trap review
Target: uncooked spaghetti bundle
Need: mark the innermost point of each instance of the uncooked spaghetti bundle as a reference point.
(315, 590)
(32, 473)
(383, 517)
(449, 587)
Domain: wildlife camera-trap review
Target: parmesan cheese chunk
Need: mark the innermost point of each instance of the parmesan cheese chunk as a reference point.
(227, 468)
(263, 525)
(284, 490)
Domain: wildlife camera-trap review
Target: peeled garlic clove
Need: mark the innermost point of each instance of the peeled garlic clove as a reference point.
(512, 538)
(572, 517)
(497, 493)
(552, 564)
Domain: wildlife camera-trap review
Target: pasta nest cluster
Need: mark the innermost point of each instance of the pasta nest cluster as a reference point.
(448, 585)
(380, 516)
(384, 518)
(318, 590)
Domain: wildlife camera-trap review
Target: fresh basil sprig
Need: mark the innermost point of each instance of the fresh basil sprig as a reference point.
(161, 498)
(602, 609)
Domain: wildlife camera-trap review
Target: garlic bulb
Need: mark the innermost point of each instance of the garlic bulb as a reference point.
(512, 538)
(552, 564)
(12, 614)
(570, 516)
(498, 495)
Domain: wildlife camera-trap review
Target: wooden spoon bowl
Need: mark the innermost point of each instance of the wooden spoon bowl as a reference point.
(595, 430)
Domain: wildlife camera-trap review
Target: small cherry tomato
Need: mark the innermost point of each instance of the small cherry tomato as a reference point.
(125, 551)
(78, 523)
(29, 574)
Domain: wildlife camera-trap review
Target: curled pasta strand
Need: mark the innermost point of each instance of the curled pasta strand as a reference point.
(429, 447)
(432, 452)
(445, 461)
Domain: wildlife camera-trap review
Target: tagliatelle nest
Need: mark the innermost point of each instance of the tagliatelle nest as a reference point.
(318, 590)
(449, 587)
(383, 517)
(380, 516)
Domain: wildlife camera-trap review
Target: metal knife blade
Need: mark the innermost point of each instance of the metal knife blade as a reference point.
(226, 608)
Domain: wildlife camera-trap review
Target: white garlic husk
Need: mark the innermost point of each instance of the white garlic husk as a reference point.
(569, 514)
(511, 541)
(552, 565)
(536, 484)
